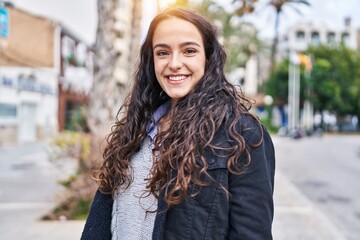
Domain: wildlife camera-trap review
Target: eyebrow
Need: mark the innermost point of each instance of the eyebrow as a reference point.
(181, 45)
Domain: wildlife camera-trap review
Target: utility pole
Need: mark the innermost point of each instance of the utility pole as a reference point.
(297, 60)
(293, 92)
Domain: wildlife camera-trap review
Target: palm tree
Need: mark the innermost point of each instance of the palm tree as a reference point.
(106, 92)
(279, 5)
(247, 6)
(239, 38)
(112, 64)
(105, 56)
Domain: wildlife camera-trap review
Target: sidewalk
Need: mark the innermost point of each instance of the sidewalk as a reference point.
(27, 189)
(48, 230)
(297, 218)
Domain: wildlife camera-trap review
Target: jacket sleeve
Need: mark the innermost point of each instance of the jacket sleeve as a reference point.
(251, 193)
(98, 222)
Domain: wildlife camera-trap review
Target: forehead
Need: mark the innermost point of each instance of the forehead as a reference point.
(176, 29)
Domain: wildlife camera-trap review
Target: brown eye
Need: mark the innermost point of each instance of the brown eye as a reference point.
(161, 53)
(190, 51)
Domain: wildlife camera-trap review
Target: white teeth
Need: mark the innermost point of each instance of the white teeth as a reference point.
(177, 78)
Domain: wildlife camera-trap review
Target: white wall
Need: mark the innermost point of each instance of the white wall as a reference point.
(40, 94)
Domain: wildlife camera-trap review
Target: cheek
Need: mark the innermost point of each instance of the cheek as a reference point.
(158, 73)
(200, 67)
(158, 66)
(199, 63)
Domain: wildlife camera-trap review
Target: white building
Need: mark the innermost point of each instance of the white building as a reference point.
(28, 103)
(304, 34)
(45, 72)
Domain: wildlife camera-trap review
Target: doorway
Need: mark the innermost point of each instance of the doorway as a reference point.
(27, 122)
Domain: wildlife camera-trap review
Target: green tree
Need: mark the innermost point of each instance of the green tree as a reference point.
(239, 38)
(277, 84)
(336, 80)
(334, 83)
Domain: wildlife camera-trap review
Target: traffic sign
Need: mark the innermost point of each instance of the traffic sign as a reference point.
(4, 23)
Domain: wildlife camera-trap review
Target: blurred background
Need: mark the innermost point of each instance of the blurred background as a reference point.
(66, 66)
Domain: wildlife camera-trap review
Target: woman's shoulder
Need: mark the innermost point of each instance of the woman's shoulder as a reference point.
(245, 128)
(253, 131)
(246, 124)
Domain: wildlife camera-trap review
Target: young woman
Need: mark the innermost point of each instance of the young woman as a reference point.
(187, 160)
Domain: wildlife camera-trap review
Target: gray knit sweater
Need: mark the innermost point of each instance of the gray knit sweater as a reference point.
(131, 219)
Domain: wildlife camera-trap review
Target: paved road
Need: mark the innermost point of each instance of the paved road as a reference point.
(316, 192)
(327, 171)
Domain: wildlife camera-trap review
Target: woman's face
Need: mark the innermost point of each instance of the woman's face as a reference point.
(179, 56)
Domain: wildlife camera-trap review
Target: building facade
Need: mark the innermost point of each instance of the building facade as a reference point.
(28, 104)
(304, 34)
(44, 71)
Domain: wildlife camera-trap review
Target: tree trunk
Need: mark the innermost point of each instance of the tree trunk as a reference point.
(135, 35)
(275, 43)
(113, 62)
(100, 111)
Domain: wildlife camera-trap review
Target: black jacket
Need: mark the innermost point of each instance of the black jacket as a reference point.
(245, 212)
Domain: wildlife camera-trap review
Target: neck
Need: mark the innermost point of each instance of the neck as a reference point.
(164, 123)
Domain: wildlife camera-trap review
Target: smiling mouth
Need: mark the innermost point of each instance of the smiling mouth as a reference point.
(177, 78)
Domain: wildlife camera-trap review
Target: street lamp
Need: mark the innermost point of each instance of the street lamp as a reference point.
(294, 92)
(297, 60)
(268, 100)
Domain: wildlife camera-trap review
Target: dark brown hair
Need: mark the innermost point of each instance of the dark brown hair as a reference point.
(195, 120)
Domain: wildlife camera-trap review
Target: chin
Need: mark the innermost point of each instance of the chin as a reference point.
(177, 96)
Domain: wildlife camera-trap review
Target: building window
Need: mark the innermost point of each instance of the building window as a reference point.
(71, 108)
(315, 38)
(8, 111)
(331, 37)
(345, 38)
(68, 50)
(81, 54)
(300, 36)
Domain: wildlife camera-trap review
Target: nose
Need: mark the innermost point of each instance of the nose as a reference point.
(175, 62)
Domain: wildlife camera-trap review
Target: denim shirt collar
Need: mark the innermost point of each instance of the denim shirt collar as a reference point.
(152, 127)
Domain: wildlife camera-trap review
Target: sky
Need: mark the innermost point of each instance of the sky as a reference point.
(80, 16)
(327, 13)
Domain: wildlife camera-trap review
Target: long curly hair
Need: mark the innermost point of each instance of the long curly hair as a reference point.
(194, 121)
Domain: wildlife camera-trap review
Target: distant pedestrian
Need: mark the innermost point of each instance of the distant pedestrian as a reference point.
(187, 160)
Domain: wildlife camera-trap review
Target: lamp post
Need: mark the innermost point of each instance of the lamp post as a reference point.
(293, 92)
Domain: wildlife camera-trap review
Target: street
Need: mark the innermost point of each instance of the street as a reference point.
(27, 191)
(327, 171)
(316, 195)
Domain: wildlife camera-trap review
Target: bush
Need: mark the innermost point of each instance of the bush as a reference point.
(75, 156)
